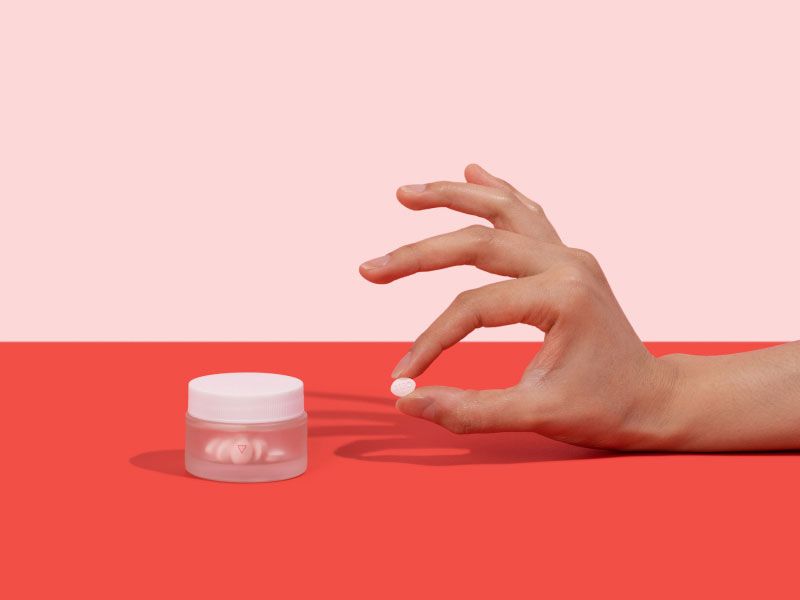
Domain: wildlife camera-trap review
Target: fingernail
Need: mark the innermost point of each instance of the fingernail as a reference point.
(376, 263)
(402, 365)
(414, 188)
(414, 405)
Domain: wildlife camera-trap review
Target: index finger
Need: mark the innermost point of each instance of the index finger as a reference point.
(503, 303)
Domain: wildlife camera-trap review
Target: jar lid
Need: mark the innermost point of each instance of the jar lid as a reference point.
(245, 397)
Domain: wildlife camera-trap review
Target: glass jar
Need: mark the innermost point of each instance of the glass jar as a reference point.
(246, 427)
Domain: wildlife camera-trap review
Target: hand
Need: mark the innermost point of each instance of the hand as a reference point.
(592, 383)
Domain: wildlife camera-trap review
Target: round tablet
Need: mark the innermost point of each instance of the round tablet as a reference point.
(403, 386)
(275, 454)
(241, 451)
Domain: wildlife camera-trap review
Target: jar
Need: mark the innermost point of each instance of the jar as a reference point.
(246, 427)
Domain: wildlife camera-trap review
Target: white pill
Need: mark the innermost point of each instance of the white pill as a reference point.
(275, 454)
(259, 448)
(211, 447)
(223, 451)
(403, 386)
(241, 451)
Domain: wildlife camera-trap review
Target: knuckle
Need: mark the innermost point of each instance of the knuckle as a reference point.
(464, 312)
(536, 208)
(502, 204)
(438, 187)
(585, 258)
(571, 275)
(506, 199)
(465, 416)
(464, 301)
(480, 234)
(457, 423)
(574, 287)
(411, 253)
(476, 229)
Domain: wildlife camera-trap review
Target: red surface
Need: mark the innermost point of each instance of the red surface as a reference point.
(96, 502)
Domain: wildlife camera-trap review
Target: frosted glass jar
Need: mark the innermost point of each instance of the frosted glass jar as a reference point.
(246, 427)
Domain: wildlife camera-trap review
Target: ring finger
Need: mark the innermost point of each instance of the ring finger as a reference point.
(492, 250)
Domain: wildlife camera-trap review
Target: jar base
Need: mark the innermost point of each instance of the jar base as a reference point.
(277, 471)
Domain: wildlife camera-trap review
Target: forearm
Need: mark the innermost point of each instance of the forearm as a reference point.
(746, 401)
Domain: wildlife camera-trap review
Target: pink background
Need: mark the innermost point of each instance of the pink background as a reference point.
(218, 170)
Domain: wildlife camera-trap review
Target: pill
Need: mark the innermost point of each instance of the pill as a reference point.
(211, 447)
(223, 450)
(259, 448)
(403, 386)
(275, 454)
(241, 451)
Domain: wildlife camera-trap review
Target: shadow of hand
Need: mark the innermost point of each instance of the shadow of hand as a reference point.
(385, 435)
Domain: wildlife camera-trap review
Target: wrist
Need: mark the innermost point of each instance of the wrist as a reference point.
(667, 426)
(732, 402)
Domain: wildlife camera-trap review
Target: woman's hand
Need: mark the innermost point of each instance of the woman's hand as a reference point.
(592, 383)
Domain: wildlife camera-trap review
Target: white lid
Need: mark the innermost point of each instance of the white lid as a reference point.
(245, 397)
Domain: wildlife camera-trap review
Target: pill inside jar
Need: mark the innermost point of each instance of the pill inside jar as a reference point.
(403, 386)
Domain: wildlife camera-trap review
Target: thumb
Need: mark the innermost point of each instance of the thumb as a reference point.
(471, 411)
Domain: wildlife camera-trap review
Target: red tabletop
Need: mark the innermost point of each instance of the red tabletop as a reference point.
(97, 503)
